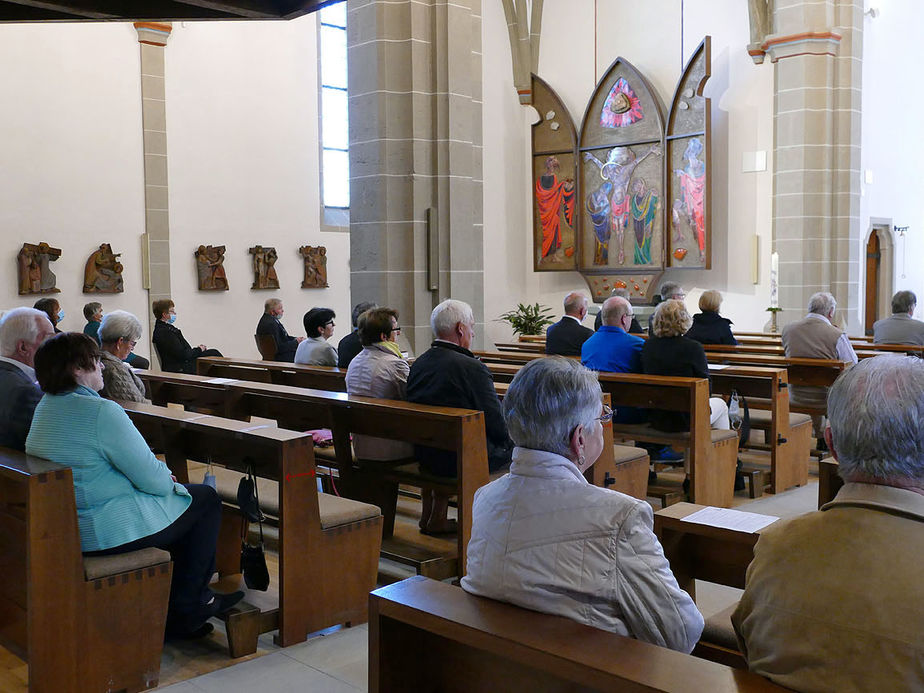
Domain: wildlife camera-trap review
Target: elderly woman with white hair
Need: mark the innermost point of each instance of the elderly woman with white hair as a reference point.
(119, 332)
(545, 539)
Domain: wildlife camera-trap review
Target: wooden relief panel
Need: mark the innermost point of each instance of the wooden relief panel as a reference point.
(555, 195)
(688, 147)
(620, 176)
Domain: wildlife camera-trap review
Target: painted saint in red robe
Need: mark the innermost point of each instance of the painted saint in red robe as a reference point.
(692, 193)
(554, 198)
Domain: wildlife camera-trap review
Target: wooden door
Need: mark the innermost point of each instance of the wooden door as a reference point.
(873, 258)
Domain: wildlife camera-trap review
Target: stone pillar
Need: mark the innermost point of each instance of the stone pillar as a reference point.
(152, 37)
(415, 145)
(817, 51)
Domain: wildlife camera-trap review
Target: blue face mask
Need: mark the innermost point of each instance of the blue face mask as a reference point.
(171, 318)
(60, 315)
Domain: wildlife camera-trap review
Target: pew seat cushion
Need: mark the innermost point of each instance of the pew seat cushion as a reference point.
(626, 453)
(649, 433)
(719, 630)
(761, 418)
(336, 511)
(96, 567)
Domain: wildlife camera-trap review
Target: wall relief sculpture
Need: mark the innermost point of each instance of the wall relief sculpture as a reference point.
(35, 275)
(626, 195)
(210, 268)
(315, 259)
(264, 271)
(103, 272)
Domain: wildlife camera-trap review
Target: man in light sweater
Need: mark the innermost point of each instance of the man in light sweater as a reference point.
(814, 337)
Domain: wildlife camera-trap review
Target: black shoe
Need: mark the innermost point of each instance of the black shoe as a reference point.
(686, 486)
(222, 603)
(652, 478)
(194, 634)
(822, 445)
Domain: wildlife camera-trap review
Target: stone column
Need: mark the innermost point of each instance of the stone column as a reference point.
(817, 51)
(415, 153)
(152, 37)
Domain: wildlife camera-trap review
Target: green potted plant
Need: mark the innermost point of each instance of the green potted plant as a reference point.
(528, 319)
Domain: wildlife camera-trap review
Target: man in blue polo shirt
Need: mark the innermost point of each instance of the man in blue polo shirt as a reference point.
(614, 350)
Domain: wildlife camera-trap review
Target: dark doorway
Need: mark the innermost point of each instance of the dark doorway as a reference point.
(873, 262)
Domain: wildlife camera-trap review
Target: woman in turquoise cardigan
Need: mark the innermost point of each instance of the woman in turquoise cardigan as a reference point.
(126, 498)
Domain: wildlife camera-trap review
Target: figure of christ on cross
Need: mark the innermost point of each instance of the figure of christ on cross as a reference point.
(616, 173)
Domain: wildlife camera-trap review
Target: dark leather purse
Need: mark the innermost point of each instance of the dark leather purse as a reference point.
(253, 560)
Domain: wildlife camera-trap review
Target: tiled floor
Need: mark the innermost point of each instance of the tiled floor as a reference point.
(336, 662)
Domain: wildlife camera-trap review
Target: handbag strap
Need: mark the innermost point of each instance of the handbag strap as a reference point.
(252, 476)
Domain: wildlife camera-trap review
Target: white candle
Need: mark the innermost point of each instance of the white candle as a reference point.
(774, 279)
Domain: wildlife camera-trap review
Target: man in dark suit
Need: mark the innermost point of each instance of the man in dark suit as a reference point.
(271, 324)
(22, 331)
(350, 345)
(566, 336)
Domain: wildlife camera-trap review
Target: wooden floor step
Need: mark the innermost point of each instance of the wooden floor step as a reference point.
(757, 481)
(244, 624)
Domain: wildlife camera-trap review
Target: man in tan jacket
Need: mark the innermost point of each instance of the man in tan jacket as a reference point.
(834, 600)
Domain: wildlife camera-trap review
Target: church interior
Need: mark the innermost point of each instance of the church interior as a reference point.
(406, 152)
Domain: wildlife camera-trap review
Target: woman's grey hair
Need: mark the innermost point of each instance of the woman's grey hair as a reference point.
(19, 324)
(448, 314)
(671, 319)
(547, 400)
(669, 289)
(876, 414)
(904, 302)
(119, 324)
(822, 303)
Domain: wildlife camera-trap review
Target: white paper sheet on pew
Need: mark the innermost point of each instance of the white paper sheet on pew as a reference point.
(730, 519)
(220, 381)
(716, 366)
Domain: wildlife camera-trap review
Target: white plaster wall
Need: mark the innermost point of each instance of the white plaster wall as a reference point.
(71, 159)
(576, 50)
(892, 137)
(242, 140)
(242, 134)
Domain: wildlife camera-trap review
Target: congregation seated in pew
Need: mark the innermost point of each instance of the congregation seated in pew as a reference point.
(176, 354)
(566, 336)
(900, 327)
(271, 324)
(119, 332)
(449, 375)
(22, 331)
(379, 370)
(708, 326)
(126, 498)
(834, 599)
(316, 350)
(545, 539)
(351, 345)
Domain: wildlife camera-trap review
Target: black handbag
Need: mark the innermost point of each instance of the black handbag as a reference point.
(253, 560)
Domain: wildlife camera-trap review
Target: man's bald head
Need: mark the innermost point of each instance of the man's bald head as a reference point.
(576, 304)
(614, 311)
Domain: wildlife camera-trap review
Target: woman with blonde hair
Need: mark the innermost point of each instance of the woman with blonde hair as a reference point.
(708, 326)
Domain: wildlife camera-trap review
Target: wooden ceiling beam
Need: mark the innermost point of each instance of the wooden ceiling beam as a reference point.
(154, 10)
(245, 9)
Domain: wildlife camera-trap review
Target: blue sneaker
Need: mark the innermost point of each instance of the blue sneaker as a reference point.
(667, 454)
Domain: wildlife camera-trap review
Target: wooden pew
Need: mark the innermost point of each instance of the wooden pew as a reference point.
(712, 455)
(477, 644)
(457, 430)
(82, 624)
(328, 547)
(528, 347)
(713, 554)
(619, 468)
(829, 480)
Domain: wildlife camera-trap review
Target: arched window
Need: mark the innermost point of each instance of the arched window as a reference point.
(334, 125)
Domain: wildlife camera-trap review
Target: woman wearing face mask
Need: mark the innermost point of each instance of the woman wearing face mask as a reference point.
(379, 370)
(52, 309)
(126, 498)
(176, 355)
